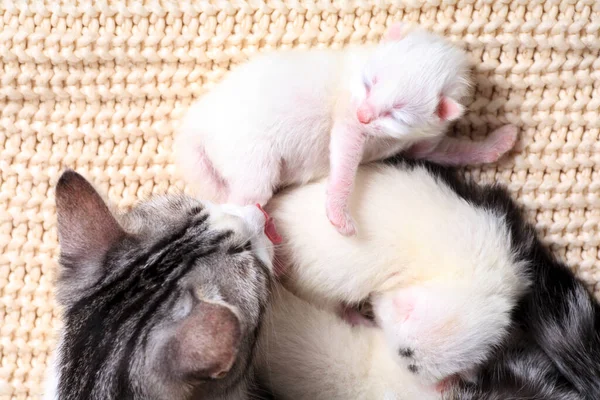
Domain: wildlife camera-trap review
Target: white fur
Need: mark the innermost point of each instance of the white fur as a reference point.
(308, 353)
(246, 221)
(53, 377)
(439, 271)
(268, 123)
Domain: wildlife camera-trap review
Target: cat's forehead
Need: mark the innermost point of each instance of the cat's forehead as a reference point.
(160, 213)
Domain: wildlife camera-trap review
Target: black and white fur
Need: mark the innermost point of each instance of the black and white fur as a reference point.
(553, 348)
(164, 302)
(549, 347)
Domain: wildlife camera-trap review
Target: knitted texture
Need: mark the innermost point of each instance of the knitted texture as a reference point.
(100, 88)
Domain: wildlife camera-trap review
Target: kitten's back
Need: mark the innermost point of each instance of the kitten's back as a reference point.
(410, 229)
(276, 106)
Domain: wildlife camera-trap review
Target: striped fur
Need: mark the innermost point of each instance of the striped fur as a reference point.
(138, 317)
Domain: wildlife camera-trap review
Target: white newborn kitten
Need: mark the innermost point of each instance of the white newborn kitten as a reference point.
(440, 272)
(305, 353)
(289, 117)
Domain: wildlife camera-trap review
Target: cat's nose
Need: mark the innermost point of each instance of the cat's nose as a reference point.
(365, 114)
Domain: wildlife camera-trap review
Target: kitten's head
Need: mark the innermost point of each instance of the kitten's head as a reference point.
(440, 329)
(450, 323)
(411, 85)
(165, 302)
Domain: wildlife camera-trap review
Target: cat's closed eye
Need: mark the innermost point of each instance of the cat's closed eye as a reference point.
(240, 248)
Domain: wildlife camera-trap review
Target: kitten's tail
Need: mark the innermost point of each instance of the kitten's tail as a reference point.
(564, 320)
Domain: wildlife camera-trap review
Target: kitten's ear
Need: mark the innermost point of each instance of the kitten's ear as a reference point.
(205, 345)
(86, 227)
(395, 32)
(449, 109)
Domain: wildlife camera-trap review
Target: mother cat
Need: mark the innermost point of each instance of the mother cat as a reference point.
(459, 283)
(164, 302)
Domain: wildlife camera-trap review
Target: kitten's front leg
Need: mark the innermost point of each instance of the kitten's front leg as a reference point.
(345, 153)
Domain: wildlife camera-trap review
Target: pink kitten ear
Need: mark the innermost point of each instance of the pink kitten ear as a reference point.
(395, 32)
(449, 110)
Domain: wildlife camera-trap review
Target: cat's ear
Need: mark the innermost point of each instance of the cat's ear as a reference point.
(86, 227)
(449, 109)
(395, 32)
(205, 344)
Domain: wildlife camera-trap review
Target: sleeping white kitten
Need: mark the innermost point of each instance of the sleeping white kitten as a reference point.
(441, 274)
(307, 353)
(289, 117)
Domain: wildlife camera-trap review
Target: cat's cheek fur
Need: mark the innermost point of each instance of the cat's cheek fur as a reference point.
(253, 225)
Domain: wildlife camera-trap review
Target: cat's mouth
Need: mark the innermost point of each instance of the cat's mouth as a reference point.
(270, 230)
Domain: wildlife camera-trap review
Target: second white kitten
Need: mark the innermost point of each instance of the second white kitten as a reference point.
(306, 353)
(442, 274)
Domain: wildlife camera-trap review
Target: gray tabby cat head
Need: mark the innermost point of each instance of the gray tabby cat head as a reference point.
(162, 302)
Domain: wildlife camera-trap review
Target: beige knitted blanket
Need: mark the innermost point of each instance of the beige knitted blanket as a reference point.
(99, 86)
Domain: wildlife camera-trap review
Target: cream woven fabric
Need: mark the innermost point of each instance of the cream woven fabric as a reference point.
(100, 88)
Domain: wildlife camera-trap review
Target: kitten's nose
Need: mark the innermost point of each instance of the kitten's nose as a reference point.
(365, 114)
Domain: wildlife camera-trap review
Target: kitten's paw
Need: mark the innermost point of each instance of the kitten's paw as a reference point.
(341, 219)
(499, 143)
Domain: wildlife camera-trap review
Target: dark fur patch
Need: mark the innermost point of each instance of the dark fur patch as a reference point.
(413, 369)
(406, 352)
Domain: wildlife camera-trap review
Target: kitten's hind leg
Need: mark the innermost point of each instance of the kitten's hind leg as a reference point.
(254, 185)
(457, 151)
(198, 170)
